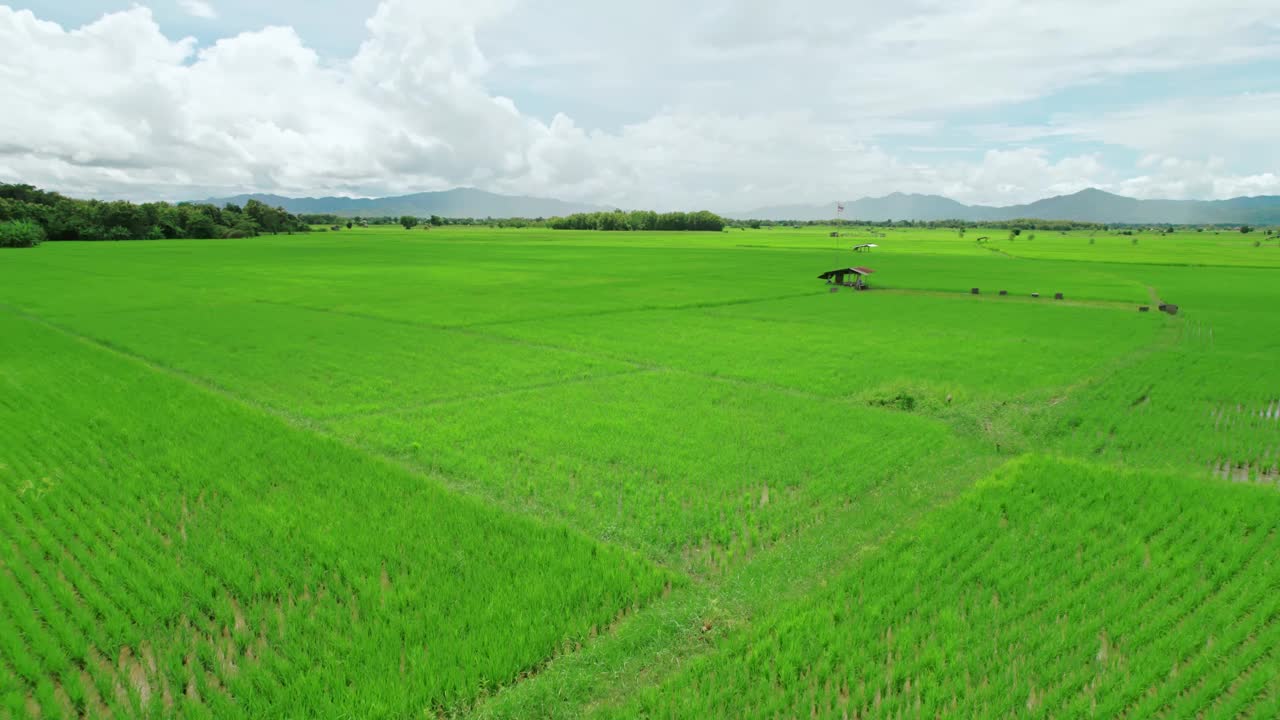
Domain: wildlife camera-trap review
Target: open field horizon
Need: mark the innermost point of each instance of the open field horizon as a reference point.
(507, 472)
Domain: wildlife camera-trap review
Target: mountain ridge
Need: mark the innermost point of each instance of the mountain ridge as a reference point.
(1087, 205)
(456, 203)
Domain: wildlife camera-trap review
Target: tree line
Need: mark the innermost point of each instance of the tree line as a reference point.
(345, 220)
(29, 216)
(702, 221)
(349, 221)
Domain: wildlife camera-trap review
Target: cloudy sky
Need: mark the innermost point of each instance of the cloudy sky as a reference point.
(730, 105)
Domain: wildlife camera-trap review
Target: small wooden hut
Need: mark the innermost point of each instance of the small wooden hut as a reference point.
(837, 277)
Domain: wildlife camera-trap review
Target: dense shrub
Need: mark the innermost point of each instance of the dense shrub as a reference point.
(20, 233)
(701, 220)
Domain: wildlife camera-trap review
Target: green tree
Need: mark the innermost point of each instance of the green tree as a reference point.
(199, 222)
(20, 234)
(408, 221)
(264, 216)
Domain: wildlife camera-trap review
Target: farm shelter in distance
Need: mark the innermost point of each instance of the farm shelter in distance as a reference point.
(837, 276)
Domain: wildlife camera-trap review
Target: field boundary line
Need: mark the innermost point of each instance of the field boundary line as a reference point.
(1096, 304)
(540, 318)
(654, 665)
(1128, 263)
(647, 308)
(460, 330)
(292, 419)
(154, 365)
(637, 364)
(513, 390)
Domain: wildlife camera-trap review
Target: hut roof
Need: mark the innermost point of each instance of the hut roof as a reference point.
(846, 271)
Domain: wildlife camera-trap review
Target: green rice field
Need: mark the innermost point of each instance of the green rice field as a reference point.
(501, 473)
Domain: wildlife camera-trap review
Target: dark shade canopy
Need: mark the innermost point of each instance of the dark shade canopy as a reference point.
(845, 271)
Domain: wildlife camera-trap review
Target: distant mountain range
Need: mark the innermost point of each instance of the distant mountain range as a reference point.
(457, 203)
(1089, 205)
(1086, 206)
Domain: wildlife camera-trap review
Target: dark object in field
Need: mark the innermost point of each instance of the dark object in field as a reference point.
(1171, 309)
(1003, 293)
(865, 247)
(835, 234)
(973, 291)
(336, 227)
(835, 289)
(1144, 308)
(1057, 296)
(836, 277)
(1035, 294)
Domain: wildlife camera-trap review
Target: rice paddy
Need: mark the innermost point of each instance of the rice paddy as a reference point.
(526, 473)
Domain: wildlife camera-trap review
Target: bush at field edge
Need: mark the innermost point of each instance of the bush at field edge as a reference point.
(20, 233)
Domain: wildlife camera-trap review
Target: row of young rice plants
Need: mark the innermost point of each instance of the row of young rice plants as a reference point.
(695, 472)
(170, 553)
(1207, 401)
(1053, 588)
